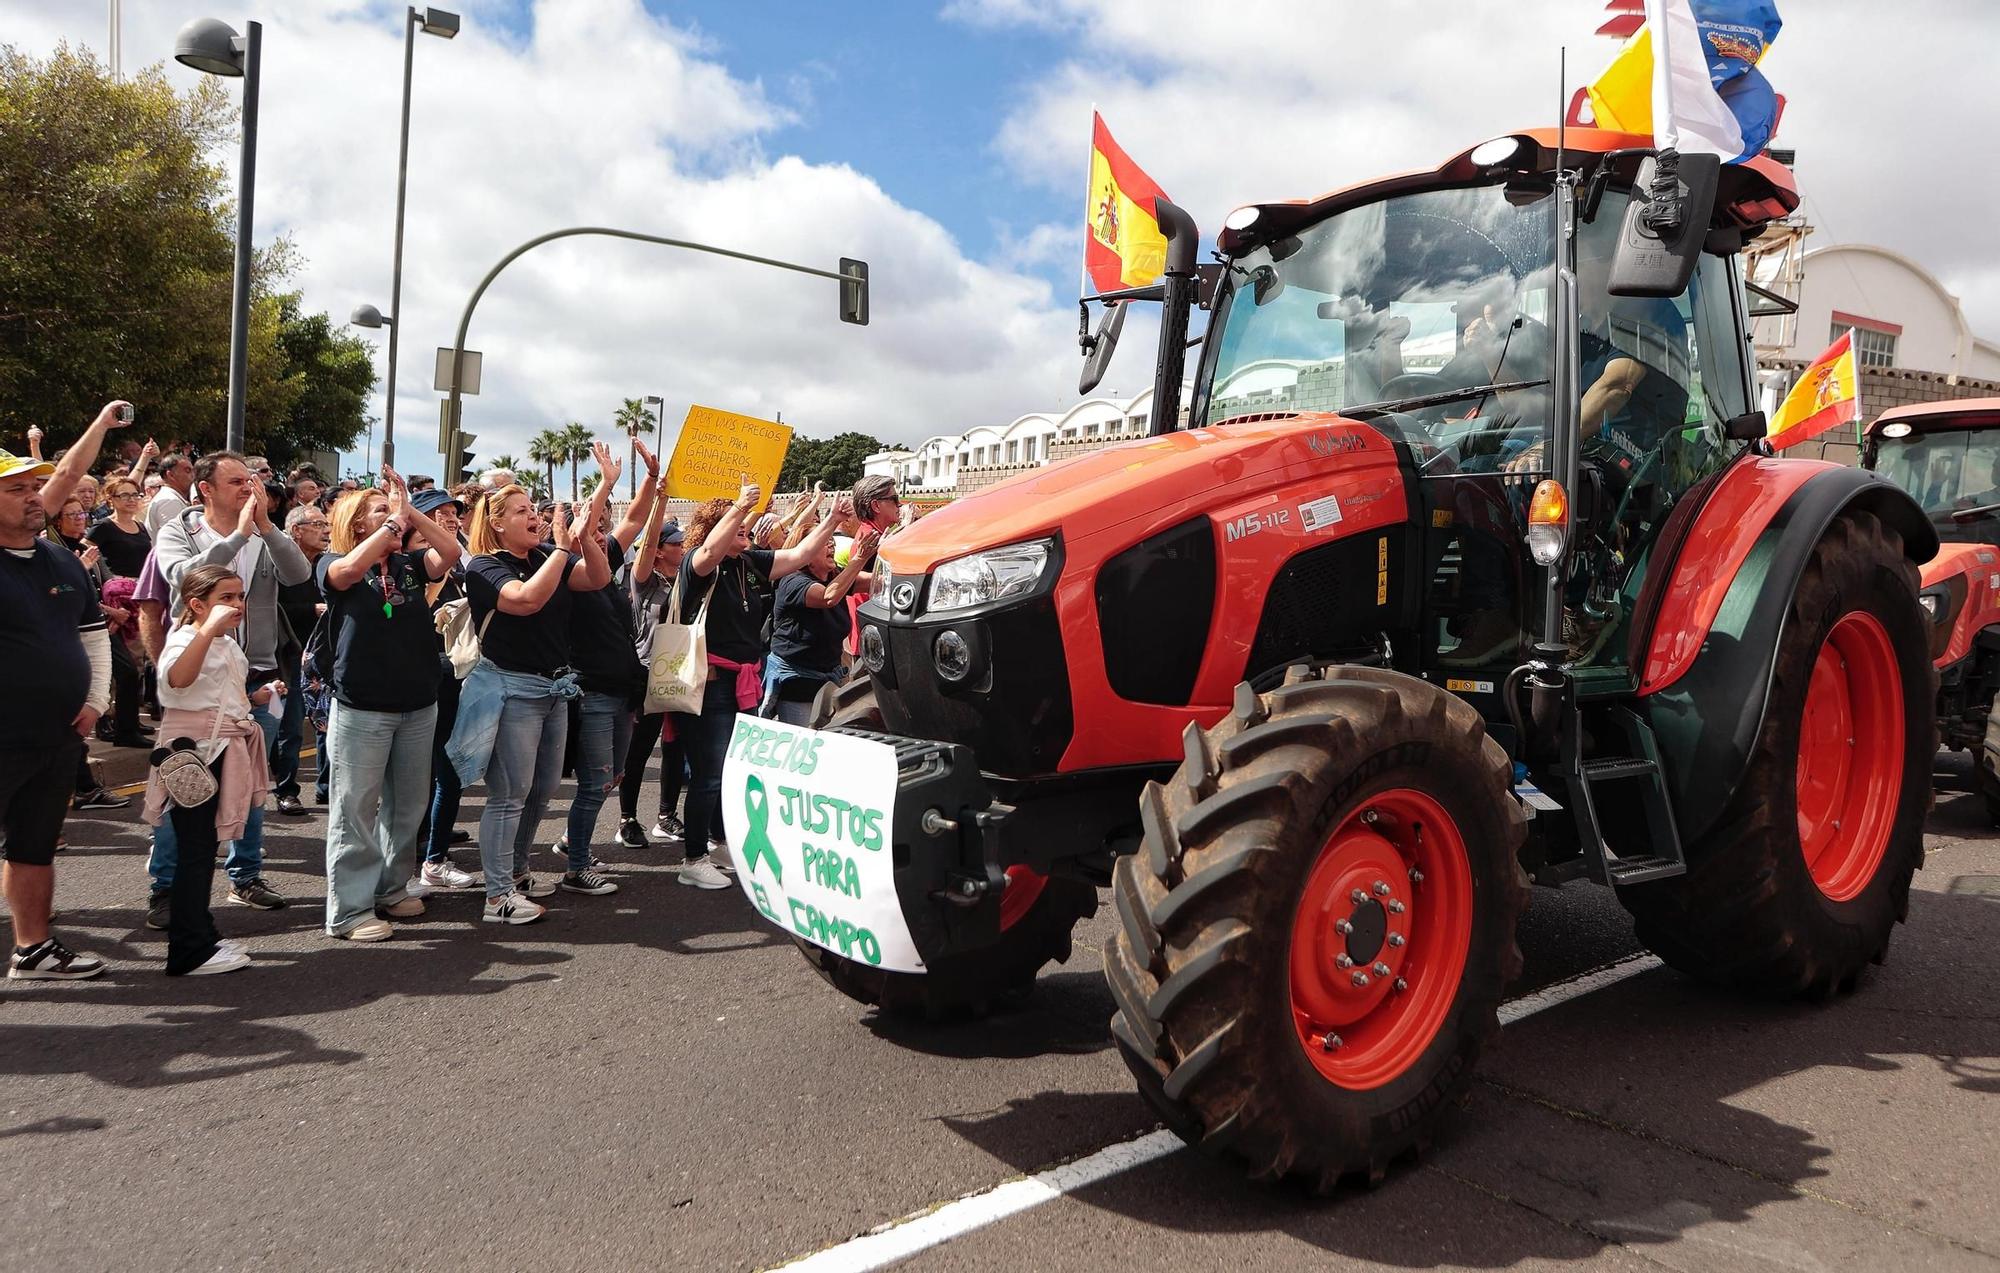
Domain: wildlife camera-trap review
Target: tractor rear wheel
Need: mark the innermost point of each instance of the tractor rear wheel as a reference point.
(1808, 869)
(851, 703)
(1986, 763)
(1315, 935)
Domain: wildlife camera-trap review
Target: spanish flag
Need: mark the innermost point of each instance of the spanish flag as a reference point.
(1827, 394)
(1123, 246)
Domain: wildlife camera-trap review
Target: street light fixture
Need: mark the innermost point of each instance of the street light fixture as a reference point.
(444, 25)
(214, 48)
(369, 316)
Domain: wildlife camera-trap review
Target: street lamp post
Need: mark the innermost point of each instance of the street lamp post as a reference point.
(444, 25)
(214, 47)
(659, 430)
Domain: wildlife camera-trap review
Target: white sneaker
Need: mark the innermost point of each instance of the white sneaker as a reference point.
(668, 830)
(701, 873)
(513, 909)
(447, 875)
(718, 853)
(531, 885)
(227, 958)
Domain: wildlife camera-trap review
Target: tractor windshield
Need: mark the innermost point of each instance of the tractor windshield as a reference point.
(1414, 297)
(1954, 474)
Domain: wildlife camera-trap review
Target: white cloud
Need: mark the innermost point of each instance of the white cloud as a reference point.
(1270, 99)
(603, 115)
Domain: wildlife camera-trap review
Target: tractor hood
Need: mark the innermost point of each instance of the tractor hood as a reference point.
(1099, 491)
(1960, 559)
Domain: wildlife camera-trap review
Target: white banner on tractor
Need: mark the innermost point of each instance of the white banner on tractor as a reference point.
(809, 816)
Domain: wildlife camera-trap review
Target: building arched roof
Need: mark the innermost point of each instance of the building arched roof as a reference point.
(1967, 338)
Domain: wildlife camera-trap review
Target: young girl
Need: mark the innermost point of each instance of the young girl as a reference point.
(202, 692)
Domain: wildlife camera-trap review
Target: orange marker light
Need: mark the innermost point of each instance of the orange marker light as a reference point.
(1548, 522)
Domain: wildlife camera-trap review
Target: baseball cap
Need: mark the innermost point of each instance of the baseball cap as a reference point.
(12, 465)
(430, 501)
(670, 532)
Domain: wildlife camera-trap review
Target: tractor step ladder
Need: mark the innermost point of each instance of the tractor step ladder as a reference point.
(1653, 850)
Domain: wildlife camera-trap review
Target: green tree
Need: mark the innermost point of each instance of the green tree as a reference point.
(591, 481)
(548, 449)
(576, 440)
(116, 259)
(334, 374)
(634, 418)
(835, 461)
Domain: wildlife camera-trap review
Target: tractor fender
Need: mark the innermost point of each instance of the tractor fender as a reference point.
(1706, 678)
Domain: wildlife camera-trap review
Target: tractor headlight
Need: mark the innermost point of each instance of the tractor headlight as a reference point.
(990, 576)
(1929, 601)
(874, 650)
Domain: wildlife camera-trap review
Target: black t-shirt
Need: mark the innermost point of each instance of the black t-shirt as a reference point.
(807, 638)
(297, 601)
(538, 642)
(45, 600)
(736, 613)
(600, 638)
(383, 661)
(124, 554)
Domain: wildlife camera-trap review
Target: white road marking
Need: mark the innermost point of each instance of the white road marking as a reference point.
(919, 1231)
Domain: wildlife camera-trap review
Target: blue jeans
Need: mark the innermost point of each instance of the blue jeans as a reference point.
(381, 783)
(602, 741)
(706, 739)
(246, 855)
(290, 741)
(523, 772)
(442, 818)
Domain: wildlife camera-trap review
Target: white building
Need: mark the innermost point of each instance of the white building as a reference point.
(946, 466)
(1901, 315)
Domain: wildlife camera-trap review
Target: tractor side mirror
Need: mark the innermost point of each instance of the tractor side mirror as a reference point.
(1666, 225)
(1097, 354)
(1747, 427)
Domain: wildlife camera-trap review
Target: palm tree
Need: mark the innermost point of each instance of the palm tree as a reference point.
(548, 450)
(507, 462)
(635, 417)
(576, 441)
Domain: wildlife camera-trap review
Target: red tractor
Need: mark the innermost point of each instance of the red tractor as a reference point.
(1470, 568)
(1947, 456)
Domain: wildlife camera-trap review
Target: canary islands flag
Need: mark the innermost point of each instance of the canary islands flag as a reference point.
(1829, 393)
(1123, 246)
(1689, 78)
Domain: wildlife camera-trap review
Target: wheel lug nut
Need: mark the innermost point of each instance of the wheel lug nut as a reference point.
(1370, 817)
(1416, 876)
(1395, 908)
(1381, 970)
(1381, 888)
(1396, 939)
(1343, 927)
(1360, 980)
(1342, 961)
(1357, 897)
(1401, 985)
(1331, 1043)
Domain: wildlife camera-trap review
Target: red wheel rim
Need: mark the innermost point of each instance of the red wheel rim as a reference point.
(1380, 938)
(1850, 766)
(1024, 885)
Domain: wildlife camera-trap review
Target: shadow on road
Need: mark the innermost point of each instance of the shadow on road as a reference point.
(1065, 1015)
(1618, 1118)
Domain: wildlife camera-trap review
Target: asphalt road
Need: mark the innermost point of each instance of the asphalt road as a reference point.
(656, 1079)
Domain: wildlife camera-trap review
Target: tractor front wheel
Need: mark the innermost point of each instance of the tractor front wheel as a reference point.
(1808, 869)
(1315, 936)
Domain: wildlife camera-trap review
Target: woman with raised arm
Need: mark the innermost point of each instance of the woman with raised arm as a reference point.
(513, 713)
(723, 573)
(384, 709)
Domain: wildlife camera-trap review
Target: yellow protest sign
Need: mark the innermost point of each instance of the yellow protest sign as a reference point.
(716, 449)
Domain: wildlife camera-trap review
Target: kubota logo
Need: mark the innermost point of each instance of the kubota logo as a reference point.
(904, 594)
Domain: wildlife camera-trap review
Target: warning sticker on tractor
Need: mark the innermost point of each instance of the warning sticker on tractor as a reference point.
(1319, 513)
(1457, 686)
(809, 816)
(1535, 798)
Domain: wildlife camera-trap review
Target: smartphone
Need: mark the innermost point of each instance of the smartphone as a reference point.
(125, 414)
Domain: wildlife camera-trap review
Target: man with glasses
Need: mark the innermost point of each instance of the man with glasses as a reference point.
(301, 606)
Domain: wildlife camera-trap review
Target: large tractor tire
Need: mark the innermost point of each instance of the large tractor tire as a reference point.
(1037, 915)
(1808, 869)
(1986, 763)
(1316, 933)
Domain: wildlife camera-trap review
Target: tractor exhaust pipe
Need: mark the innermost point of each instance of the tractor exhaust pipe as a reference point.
(1179, 284)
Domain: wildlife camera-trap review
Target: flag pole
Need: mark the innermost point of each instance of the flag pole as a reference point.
(1089, 170)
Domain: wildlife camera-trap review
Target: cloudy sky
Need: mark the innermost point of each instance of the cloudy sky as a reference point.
(945, 143)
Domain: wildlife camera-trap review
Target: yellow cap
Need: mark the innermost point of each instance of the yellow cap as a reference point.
(15, 465)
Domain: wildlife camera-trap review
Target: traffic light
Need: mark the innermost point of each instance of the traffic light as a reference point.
(853, 291)
(463, 462)
(454, 446)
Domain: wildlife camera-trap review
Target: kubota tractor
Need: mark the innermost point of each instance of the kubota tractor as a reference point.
(1469, 568)
(1947, 456)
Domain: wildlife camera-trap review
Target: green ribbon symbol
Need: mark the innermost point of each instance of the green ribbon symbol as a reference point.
(757, 843)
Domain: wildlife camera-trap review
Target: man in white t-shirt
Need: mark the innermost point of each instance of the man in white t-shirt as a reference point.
(172, 499)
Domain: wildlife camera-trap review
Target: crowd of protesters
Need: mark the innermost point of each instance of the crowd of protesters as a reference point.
(420, 641)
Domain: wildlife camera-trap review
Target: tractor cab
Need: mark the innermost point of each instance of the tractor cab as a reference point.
(1429, 309)
(1947, 456)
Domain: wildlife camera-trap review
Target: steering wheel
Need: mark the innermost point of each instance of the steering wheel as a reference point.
(1411, 384)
